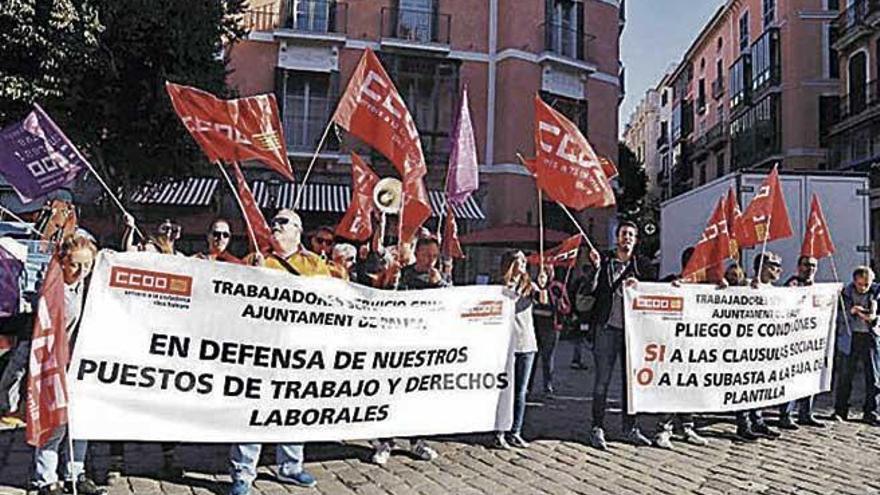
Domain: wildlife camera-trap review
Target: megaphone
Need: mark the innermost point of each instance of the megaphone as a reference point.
(387, 195)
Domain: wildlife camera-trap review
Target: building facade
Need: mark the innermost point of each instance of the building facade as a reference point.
(504, 51)
(755, 88)
(641, 135)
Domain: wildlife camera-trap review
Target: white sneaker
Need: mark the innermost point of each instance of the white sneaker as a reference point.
(663, 440)
(421, 450)
(381, 454)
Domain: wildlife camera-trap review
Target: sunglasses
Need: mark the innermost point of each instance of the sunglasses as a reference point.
(775, 266)
(219, 234)
(281, 221)
(324, 241)
(165, 229)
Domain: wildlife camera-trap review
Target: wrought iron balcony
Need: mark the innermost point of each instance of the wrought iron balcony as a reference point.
(860, 100)
(565, 41)
(854, 17)
(307, 16)
(718, 88)
(415, 25)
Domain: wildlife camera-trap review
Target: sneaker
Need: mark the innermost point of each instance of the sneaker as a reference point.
(516, 440)
(239, 487)
(53, 489)
(597, 438)
(840, 417)
(381, 454)
(786, 423)
(763, 429)
(84, 486)
(302, 478)
(746, 434)
(501, 442)
(694, 438)
(811, 421)
(12, 422)
(636, 438)
(663, 440)
(421, 450)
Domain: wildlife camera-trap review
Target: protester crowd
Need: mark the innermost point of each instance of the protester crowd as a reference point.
(585, 302)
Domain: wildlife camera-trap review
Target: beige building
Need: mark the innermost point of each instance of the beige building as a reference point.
(641, 135)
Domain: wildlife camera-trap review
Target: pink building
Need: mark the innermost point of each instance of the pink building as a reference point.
(757, 86)
(505, 51)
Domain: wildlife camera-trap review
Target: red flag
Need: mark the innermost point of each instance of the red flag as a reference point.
(450, 245)
(707, 261)
(565, 254)
(357, 224)
(734, 217)
(372, 110)
(47, 386)
(233, 130)
(766, 217)
(608, 167)
(817, 238)
(566, 166)
(265, 243)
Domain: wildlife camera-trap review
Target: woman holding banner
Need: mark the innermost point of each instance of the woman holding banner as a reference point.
(516, 278)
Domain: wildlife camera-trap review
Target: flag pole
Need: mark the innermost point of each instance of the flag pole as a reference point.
(576, 224)
(112, 195)
(302, 184)
(541, 227)
(840, 295)
(247, 222)
(20, 220)
(764, 246)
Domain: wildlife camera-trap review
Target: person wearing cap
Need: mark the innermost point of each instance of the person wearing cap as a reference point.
(218, 241)
(293, 258)
(750, 424)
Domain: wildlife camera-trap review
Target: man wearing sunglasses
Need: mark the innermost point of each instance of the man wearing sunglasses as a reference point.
(167, 233)
(806, 276)
(322, 241)
(750, 424)
(295, 259)
(218, 241)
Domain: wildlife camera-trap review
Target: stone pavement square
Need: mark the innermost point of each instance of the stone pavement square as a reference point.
(843, 458)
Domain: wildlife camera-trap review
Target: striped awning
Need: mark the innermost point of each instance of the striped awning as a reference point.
(334, 198)
(193, 191)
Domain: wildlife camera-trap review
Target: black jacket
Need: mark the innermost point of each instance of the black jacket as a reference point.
(600, 283)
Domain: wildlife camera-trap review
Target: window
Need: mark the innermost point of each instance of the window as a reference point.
(857, 72)
(310, 15)
(829, 114)
(834, 5)
(429, 87)
(664, 97)
(701, 96)
(574, 110)
(416, 20)
(769, 12)
(720, 166)
(308, 104)
(833, 56)
(744, 31)
(756, 134)
(720, 44)
(765, 59)
(740, 79)
(565, 28)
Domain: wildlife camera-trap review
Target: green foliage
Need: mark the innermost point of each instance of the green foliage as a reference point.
(633, 203)
(112, 102)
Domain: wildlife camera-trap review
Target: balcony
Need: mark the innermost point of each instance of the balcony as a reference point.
(304, 121)
(414, 28)
(854, 22)
(565, 43)
(860, 101)
(315, 19)
(718, 88)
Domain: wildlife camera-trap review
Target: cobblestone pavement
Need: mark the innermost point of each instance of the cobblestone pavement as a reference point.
(841, 458)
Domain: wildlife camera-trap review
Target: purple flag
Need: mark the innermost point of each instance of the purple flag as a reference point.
(462, 177)
(36, 157)
(10, 271)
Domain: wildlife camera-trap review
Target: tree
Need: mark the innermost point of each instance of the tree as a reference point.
(113, 103)
(633, 203)
(43, 43)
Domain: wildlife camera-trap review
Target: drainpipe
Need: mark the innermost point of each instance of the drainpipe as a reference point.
(490, 111)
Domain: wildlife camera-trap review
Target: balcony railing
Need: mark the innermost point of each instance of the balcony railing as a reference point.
(860, 100)
(718, 88)
(309, 16)
(420, 26)
(854, 16)
(564, 40)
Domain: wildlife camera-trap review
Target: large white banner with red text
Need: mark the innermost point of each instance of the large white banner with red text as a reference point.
(177, 349)
(696, 348)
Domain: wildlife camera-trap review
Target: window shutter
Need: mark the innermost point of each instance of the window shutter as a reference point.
(581, 31)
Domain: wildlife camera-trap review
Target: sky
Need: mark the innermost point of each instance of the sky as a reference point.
(657, 34)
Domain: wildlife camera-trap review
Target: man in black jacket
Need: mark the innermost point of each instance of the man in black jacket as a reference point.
(612, 271)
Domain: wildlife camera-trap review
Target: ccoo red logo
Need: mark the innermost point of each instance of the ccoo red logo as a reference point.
(149, 281)
(670, 304)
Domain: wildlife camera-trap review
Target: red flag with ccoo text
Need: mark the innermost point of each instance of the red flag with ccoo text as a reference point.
(817, 238)
(263, 239)
(707, 261)
(766, 217)
(357, 224)
(49, 356)
(565, 254)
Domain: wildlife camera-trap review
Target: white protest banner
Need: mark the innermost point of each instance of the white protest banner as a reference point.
(177, 349)
(696, 348)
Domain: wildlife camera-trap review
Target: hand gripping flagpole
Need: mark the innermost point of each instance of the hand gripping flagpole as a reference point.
(247, 221)
(302, 184)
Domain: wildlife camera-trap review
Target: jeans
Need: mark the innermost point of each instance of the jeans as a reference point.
(803, 405)
(522, 368)
(13, 377)
(609, 346)
(547, 339)
(46, 458)
(243, 459)
(581, 345)
(865, 350)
